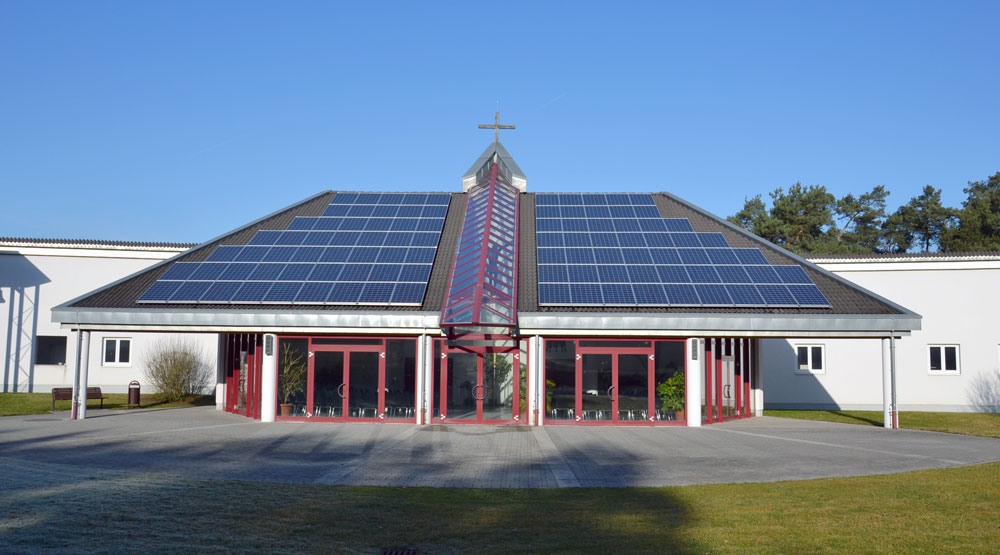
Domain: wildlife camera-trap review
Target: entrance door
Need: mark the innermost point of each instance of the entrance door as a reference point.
(345, 383)
(614, 387)
(480, 387)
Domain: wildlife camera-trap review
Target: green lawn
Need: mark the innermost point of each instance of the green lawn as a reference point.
(969, 423)
(949, 510)
(12, 404)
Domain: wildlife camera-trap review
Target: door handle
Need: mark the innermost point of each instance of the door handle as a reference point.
(484, 392)
(340, 390)
(609, 393)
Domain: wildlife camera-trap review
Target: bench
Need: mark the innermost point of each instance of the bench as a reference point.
(66, 394)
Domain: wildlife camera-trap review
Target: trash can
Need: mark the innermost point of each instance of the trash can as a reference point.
(133, 394)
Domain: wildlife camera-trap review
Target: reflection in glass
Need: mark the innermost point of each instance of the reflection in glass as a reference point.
(328, 377)
(670, 393)
(362, 401)
(400, 378)
(560, 380)
(498, 385)
(293, 374)
(633, 387)
(596, 387)
(462, 386)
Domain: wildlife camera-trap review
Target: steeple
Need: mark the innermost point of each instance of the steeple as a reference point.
(495, 153)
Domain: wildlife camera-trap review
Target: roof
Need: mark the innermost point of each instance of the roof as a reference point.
(907, 257)
(518, 178)
(853, 310)
(91, 244)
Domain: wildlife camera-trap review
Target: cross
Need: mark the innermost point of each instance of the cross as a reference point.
(496, 127)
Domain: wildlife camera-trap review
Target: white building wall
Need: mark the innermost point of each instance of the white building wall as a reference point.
(34, 278)
(959, 299)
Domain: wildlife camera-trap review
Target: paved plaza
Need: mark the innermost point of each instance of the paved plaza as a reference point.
(205, 443)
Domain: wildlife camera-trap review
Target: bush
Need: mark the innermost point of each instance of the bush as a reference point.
(177, 369)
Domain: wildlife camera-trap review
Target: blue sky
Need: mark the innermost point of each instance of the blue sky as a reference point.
(178, 121)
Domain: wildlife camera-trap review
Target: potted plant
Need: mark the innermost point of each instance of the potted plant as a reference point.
(672, 393)
(292, 371)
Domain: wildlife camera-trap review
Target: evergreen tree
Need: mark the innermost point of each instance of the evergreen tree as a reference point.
(863, 221)
(923, 219)
(801, 218)
(978, 226)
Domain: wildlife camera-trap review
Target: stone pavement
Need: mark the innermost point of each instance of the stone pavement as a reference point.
(205, 443)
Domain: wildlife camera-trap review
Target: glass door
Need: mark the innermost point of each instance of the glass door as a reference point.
(598, 399)
(345, 382)
(461, 387)
(362, 379)
(328, 395)
(633, 388)
(479, 387)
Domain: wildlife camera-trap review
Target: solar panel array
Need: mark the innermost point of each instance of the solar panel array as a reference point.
(616, 250)
(366, 249)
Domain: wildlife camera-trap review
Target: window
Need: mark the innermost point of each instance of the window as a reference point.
(117, 351)
(50, 349)
(811, 359)
(944, 359)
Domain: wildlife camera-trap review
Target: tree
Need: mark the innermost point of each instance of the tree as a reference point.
(863, 219)
(922, 220)
(803, 216)
(978, 226)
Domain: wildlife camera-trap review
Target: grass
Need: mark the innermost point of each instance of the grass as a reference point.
(13, 404)
(946, 510)
(968, 423)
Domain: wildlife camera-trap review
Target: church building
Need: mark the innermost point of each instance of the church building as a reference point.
(497, 304)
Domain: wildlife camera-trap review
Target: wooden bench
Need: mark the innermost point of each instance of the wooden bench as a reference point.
(66, 394)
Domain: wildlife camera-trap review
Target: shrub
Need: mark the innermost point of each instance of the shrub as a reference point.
(177, 369)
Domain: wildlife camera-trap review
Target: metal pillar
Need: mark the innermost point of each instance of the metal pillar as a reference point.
(269, 379)
(81, 392)
(695, 360)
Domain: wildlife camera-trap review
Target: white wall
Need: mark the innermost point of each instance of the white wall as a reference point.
(959, 299)
(36, 278)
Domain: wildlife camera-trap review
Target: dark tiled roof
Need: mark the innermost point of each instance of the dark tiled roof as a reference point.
(845, 298)
(91, 243)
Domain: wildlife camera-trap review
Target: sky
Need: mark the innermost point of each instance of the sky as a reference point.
(179, 121)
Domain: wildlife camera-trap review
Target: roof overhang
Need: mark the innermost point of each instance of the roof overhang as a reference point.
(742, 325)
(532, 323)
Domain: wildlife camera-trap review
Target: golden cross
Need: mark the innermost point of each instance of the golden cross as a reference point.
(496, 127)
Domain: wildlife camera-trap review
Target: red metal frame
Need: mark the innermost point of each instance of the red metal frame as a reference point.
(381, 348)
(440, 414)
(237, 343)
(743, 367)
(478, 289)
(614, 352)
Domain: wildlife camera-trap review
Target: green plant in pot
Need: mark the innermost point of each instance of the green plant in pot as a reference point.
(672, 393)
(292, 370)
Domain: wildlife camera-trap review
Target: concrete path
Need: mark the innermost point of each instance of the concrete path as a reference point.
(205, 443)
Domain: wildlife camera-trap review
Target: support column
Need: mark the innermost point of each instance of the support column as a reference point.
(532, 383)
(428, 392)
(540, 379)
(76, 373)
(886, 384)
(269, 379)
(421, 379)
(81, 412)
(755, 384)
(695, 360)
(220, 371)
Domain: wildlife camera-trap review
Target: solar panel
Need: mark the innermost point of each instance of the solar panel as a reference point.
(366, 248)
(616, 249)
